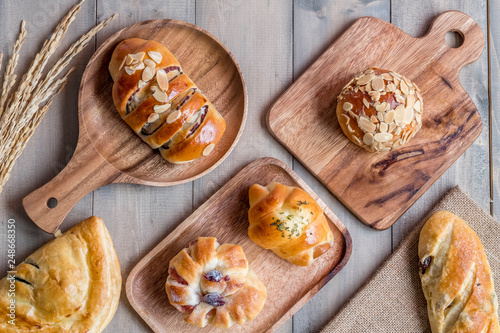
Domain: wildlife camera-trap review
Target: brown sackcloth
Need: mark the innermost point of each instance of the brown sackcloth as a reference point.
(392, 300)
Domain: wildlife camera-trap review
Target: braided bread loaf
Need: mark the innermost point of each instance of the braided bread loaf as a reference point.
(288, 221)
(161, 104)
(456, 277)
(212, 284)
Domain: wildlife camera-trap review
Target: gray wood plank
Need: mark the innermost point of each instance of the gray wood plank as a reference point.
(494, 57)
(139, 217)
(259, 34)
(471, 170)
(316, 25)
(53, 143)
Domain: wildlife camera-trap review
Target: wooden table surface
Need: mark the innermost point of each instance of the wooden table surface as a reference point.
(274, 42)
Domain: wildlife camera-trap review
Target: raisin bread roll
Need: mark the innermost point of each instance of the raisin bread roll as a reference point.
(212, 285)
(160, 102)
(456, 277)
(380, 110)
(288, 221)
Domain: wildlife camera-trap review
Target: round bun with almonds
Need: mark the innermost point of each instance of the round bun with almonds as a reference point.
(380, 110)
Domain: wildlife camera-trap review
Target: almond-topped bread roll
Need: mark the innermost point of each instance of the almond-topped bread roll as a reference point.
(380, 110)
(160, 102)
(288, 221)
(456, 277)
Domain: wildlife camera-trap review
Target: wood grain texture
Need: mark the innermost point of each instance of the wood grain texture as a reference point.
(326, 21)
(396, 179)
(229, 207)
(110, 152)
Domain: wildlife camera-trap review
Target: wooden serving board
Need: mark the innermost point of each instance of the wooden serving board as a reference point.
(224, 216)
(108, 151)
(379, 188)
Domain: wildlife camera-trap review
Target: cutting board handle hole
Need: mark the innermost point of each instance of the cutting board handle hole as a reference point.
(52, 203)
(454, 39)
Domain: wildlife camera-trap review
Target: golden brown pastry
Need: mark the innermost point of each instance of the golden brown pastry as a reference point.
(71, 284)
(380, 110)
(288, 221)
(456, 277)
(161, 104)
(212, 284)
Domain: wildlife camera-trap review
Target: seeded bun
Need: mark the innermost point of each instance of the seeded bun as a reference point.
(380, 110)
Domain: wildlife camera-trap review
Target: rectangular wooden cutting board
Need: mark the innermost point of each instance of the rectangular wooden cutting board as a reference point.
(379, 188)
(224, 216)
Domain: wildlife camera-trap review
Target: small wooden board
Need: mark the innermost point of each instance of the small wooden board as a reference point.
(224, 216)
(379, 188)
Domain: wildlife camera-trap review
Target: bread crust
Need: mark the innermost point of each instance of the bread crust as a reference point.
(288, 221)
(456, 277)
(71, 284)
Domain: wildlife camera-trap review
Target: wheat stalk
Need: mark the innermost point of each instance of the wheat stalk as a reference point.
(22, 110)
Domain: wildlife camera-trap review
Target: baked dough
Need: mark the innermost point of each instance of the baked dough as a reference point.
(160, 102)
(288, 221)
(71, 284)
(456, 277)
(212, 285)
(380, 110)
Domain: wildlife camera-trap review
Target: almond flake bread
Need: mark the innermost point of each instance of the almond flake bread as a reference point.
(288, 221)
(160, 102)
(380, 110)
(456, 277)
(212, 284)
(71, 284)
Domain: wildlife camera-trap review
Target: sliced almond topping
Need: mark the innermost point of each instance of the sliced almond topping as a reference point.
(347, 106)
(129, 60)
(208, 149)
(382, 137)
(141, 84)
(391, 87)
(160, 96)
(156, 56)
(148, 73)
(408, 115)
(122, 64)
(162, 79)
(353, 115)
(381, 107)
(404, 88)
(380, 116)
(399, 98)
(378, 84)
(129, 70)
(398, 130)
(365, 102)
(374, 119)
(392, 126)
(383, 127)
(389, 117)
(349, 128)
(150, 63)
(387, 76)
(160, 108)
(400, 114)
(368, 139)
(138, 56)
(173, 116)
(396, 81)
(369, 71)
(375, 95)
(153, 117)
(356, 140)
(417, 106)
(368, 87)
(418, 118)
(346, 118)
(137, 66)
(365, 79)
(366, 125)
(410, 101)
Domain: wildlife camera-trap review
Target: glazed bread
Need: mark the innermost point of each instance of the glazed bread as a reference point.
(456, 277)
(160, 102)
(288, 221)
(212, 284)
(380, 110)
(71, 284)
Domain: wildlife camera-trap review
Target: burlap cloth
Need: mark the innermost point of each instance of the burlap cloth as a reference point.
(392, 299)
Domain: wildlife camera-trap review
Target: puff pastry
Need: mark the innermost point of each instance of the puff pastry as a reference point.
(212, 284)
(161, 103)
(288, 221)
(71, 284)
(456, 277)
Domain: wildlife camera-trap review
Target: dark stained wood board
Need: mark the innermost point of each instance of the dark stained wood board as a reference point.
(108, 151)
(379, 188)
(224, 216)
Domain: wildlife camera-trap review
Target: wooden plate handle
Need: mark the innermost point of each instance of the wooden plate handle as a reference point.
(453, 59)
(85, 172)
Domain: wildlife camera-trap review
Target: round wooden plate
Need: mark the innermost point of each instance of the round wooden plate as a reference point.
(108, 151)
